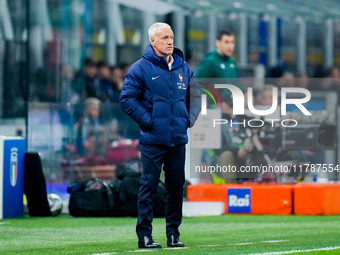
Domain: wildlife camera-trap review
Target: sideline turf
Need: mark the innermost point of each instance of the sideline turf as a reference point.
(68, 235)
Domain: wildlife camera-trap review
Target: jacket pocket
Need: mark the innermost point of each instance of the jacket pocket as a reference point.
(146, 122)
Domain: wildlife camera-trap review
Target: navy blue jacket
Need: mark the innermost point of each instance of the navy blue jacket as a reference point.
(163, 102)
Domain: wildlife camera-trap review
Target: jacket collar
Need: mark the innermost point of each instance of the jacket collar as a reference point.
(223, 58)
(177, 55)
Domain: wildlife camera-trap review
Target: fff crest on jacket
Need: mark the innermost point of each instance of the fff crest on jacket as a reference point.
(180, 84)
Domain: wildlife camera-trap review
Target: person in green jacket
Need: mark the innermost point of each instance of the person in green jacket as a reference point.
(219, 67)
(219, 63)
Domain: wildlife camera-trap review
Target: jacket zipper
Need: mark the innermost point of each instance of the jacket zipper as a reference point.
(171, 110)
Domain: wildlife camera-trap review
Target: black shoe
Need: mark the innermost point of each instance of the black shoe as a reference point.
(173, 241)
(148, 242)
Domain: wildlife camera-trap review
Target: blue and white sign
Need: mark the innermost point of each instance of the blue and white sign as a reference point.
(239, 200)
(12, 153)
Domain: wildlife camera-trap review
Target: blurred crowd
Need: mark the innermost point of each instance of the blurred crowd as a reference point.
(96, 87)
(103, 81)
(323, 80)
(94, 80)
(94, 93)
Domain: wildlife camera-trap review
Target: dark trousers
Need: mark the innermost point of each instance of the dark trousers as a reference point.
(153, 157)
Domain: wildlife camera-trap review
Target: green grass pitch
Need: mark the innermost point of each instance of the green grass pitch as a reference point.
(227, 234)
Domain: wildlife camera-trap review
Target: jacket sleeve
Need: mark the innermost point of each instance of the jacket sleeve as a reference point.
(193, 100)
(131, 95)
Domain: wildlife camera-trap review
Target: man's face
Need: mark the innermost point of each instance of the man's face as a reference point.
(104, 72)
(90, 71)
(163, 44)
(93, 111)
(267, 97)
(226, 45)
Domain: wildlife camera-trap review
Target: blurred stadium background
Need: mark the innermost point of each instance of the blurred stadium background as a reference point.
(50, 50)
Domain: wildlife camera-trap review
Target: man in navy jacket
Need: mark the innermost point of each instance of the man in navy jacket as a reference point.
(161, 95)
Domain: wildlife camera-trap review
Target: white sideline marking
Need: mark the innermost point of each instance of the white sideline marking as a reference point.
(141, 251)
(175, 248)
(210, 245)
(107, 253)
(295, 251)
(239, 243)
(275, 241)
(4, 222)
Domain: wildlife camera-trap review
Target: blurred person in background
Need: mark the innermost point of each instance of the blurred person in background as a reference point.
(302, 80)
(117, 77)
(44, 78)
(331, 79)
(286, 80)
(161, 95)
(91, 132)
(113, 133)
(67, 94)
(219, 63)
(265, 95)
(86, 83)
(275, 72)
(125, 68)
(233, 150)
(108, 92)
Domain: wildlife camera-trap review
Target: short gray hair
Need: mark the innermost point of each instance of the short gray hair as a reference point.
(155, 27)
